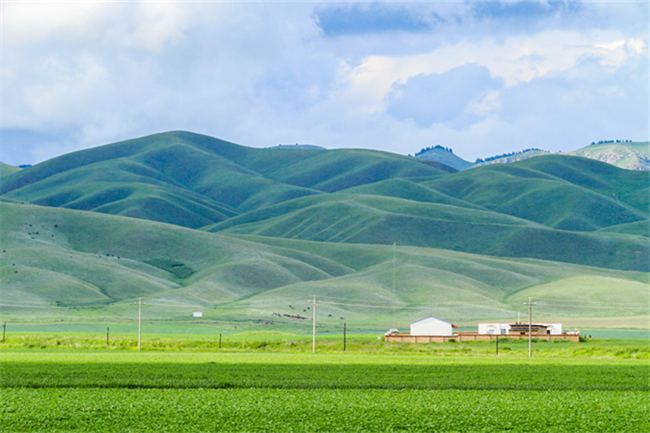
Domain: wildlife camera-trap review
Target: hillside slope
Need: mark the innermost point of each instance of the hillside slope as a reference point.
(74, 265)
(561, 192)
(444, 156)
(627, 155)
(194, 180)
(6, 170)
(363, 219)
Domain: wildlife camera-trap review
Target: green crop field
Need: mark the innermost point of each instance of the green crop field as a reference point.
(106, 391)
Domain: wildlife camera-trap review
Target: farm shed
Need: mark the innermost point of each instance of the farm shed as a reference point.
(431, 326)
(517, 328)
(493, 328)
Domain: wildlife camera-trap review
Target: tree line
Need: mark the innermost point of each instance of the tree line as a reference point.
(611, 141)
(437, 146)
(505, 155)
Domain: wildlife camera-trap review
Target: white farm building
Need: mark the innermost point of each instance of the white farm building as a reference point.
(504, 328)
(431, 326)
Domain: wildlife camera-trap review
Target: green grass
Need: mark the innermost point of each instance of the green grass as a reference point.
(156, 391)
(194, 180)
(70, 265)
(271, 206)
(274, 341)
(270, 410)
(363, 219)
(567, 193)
(6, 170)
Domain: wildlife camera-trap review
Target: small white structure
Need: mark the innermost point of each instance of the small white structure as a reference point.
(198, 314)
(553, 328)
(504, 328)
(493, 328)
(431, 326)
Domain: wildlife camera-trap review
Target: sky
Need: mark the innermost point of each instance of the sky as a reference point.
(482, 78)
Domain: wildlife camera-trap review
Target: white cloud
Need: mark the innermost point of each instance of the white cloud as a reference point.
(516, 60)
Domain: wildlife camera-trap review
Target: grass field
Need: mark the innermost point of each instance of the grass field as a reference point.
(60, 264)
(105, 391)
(331, 343)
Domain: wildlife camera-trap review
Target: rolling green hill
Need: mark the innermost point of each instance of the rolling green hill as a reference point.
(630, 155)
(6, 170)
(362, 219)
(298, 146)
(562, 192)
(75, 265)
(103, 226)
(193, 180)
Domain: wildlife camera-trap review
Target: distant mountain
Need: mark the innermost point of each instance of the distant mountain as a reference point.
(627, 155)
(298, 146)
(445, 156)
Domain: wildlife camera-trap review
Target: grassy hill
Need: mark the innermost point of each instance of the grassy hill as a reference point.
(6, 170)
(362, 219)
(298, 146)
(630, 156)
(60, 264)
(103, 226)
(562, 192)
(446, 157)
(529, 208)
(512, 157)
(193, 180)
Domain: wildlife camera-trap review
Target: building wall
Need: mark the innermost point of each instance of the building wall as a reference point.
(555, 328)
(431, 326)
(493, 328)
(472, 336)
(498, 328)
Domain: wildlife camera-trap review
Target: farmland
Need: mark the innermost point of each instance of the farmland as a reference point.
(99, 390)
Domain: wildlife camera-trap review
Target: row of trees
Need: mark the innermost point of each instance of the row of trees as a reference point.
(612, 141)
(505, 155)
(437, 146)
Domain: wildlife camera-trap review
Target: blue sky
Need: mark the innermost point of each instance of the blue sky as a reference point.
(483, 78)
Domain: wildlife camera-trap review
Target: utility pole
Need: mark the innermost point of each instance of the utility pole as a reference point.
(107, 331)
(4, 331)
(139, 324)
(344, 336)
(313, 347)
(530, 326)
(394, 245)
